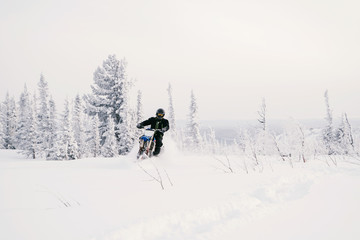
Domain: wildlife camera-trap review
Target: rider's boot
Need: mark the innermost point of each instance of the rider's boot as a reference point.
(156, 151)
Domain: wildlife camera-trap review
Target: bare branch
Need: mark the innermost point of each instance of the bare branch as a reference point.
(159, 179)
(227, 166)
(167, 175)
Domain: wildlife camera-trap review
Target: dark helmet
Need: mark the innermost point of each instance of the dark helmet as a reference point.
(160, 113)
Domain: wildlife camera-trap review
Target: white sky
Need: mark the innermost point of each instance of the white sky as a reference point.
(232, 53)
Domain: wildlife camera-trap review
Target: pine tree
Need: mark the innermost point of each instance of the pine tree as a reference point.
(349, 139)
(43, 116)
(139, 111)
(109, 98)
(2, 135)
(9, 122)
(139, 108)
(328, 135)
(171, 112)
(24, 119)
(173, 131)
(344, 137)
(125, 130)
(193, 139)
(78, 125)
(87, 148)
(69, 149)
(109, 148)
(95, 138)
(31, 147)
(53, 125)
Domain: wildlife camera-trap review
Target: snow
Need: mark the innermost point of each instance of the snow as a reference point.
(114, 198)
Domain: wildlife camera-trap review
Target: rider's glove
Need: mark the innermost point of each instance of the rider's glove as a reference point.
(162, 130)
(139, 125)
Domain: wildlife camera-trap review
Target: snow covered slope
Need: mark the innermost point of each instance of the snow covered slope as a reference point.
(117, 198)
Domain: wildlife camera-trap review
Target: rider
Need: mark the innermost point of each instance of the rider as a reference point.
(158, 123)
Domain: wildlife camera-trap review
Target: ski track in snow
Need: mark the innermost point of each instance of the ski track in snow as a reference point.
(231, 218)
(208, 222)
(213, 221)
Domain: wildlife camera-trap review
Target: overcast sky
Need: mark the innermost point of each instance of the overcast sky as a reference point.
(232, 53)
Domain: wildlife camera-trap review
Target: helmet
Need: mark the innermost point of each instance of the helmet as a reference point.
(160, 113)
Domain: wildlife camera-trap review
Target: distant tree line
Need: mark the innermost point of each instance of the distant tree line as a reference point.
(294, 144)
(102, 123)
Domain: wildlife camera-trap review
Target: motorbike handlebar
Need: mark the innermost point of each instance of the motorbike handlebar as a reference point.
(154, 130)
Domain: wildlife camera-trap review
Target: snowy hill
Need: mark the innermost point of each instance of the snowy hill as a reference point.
(117, 198)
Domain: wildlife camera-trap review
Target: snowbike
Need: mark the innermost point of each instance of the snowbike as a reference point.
(146, 144)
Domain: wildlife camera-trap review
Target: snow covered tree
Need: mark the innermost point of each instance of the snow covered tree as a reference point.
(139, 112)
(292, 141)
(2, 135)
(241, 140)
(139, 108)
(94, 140)
(53, 124)
(67, 145)
(348, 134)
(171, 115)
(264, 142)
(78, 125)
(43, 116)
(126, 132)
(109, 98)
(31, 147)
(211, 144)
(109, 148)
(344, 137)
(2, 142)
(9, 122)
(24, 119)
(328, 135)
(193, 137)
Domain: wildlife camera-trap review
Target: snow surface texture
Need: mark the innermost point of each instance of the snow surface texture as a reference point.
(118, 198)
